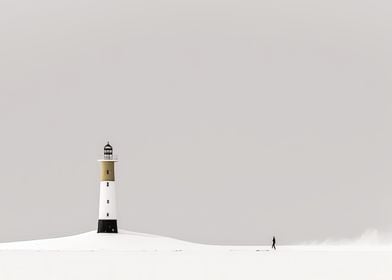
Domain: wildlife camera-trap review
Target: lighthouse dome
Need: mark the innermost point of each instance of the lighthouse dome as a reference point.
(108, 147)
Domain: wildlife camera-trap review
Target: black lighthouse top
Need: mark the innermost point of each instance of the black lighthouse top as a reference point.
(108, 151)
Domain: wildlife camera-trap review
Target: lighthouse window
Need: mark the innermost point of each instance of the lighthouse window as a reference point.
(107, 214)
(107, 184)
(107, 201)
(107, 171)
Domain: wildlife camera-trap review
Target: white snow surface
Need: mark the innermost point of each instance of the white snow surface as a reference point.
(130, 255)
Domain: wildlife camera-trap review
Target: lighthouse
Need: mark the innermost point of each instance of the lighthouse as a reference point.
(107, 221)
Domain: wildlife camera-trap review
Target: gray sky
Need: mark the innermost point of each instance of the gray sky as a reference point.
(233, 120)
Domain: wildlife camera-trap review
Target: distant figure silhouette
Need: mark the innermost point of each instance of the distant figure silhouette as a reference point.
(273, 243)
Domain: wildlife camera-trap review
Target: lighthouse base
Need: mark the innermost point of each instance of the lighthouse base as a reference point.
(107, 226)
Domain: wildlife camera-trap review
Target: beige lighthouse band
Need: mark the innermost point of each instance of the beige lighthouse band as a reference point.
(107, 170)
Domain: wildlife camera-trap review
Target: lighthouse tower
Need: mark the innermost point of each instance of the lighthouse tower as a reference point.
(107, 221)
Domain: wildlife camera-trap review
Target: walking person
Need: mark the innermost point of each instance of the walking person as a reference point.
(273, 243)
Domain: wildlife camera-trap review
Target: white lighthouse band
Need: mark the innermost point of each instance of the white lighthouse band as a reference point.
(107, 221)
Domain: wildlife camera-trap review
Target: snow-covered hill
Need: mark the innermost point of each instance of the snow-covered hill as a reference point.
(129, 255)
(92, 241)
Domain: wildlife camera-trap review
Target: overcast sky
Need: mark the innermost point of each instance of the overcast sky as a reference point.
(233, 120)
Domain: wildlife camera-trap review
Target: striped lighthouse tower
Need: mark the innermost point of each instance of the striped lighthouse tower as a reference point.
(107, 221)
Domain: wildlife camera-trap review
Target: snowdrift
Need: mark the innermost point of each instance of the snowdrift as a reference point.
(93, 241)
